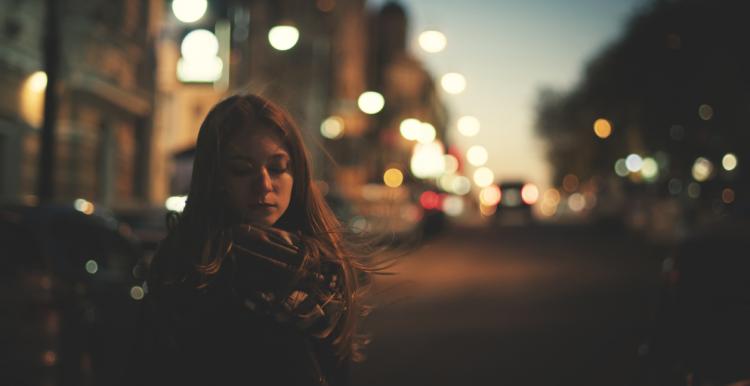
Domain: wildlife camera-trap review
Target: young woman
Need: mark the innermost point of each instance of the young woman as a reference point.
(253, 284)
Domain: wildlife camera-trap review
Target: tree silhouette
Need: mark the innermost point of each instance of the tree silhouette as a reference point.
(677, 84)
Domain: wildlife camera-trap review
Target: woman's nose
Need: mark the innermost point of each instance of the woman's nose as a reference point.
(265, 184)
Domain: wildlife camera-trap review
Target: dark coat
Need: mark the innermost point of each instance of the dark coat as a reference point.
(224, 335)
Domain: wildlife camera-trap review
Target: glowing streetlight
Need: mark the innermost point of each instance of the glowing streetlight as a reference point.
(199, 61)
(427, 160)
(468, 126)
(371, 102)
(490, 195)
(432, 41)
(283, 37)
(453, 83)
(189, 11)
(38, 81)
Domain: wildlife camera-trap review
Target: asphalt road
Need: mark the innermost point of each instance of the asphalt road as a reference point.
(514, 306)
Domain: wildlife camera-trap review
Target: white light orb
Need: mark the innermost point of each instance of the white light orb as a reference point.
(702, 169)
(453, 206)
(468, 126)
(453, 83)
(729, 162)
(634, 162)
(38, 81)
(410, 128)
(283, 37)
(332, 127)
(432, 41)
(427, 133)
(483, 177)
(371, 102)
(199, 44)
(621, 169)
(427, 160)
(189, 11)
(650, 168)
(461, 185)
(176, 203)
(477, 155)
(490, 195)
(451, 163)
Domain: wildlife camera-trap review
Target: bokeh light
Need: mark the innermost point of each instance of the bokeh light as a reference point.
(31, 101)
(702, 169)
(694, 190)
(530, 194)
(283, 37)
(137, 292)
(634, 163)
(37, 81)
(576, 202)
(430, 200)
(432, 41)
(371, 102)
(332, 127)
(650, 169)
(551, 196)
(461, 185)
(451, 163)
(91, 266)
(621, 168)
(468, 126)
(393, 177)
(175, 203)
(570, 183)
(427, 161)
(477, 155)
(489, 195)
(410, 128)
(199, 44)
(674, 186)
(189, 11)
(727, 196)
(705, 112)
(426, 133)
(729, 162)
(483, 177)
(453, 206)
(453, 83)
(602, 128)
(83, 206)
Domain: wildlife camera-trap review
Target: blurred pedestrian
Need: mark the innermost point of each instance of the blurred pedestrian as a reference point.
(254, 283)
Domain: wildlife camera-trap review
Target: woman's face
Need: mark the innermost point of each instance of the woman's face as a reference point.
(257, 176)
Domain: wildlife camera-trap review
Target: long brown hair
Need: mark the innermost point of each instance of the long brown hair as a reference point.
(199, 241)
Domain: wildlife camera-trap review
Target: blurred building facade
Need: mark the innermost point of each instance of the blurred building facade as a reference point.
(105, 94)
(126, 125)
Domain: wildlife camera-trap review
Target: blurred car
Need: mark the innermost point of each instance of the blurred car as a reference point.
(516, 200)
(70, 295)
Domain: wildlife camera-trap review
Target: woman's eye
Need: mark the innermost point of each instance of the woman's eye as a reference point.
(277, 169)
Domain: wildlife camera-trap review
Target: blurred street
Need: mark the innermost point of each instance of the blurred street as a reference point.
(518, 306)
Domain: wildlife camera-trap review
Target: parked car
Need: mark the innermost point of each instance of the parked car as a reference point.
(69, 293)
